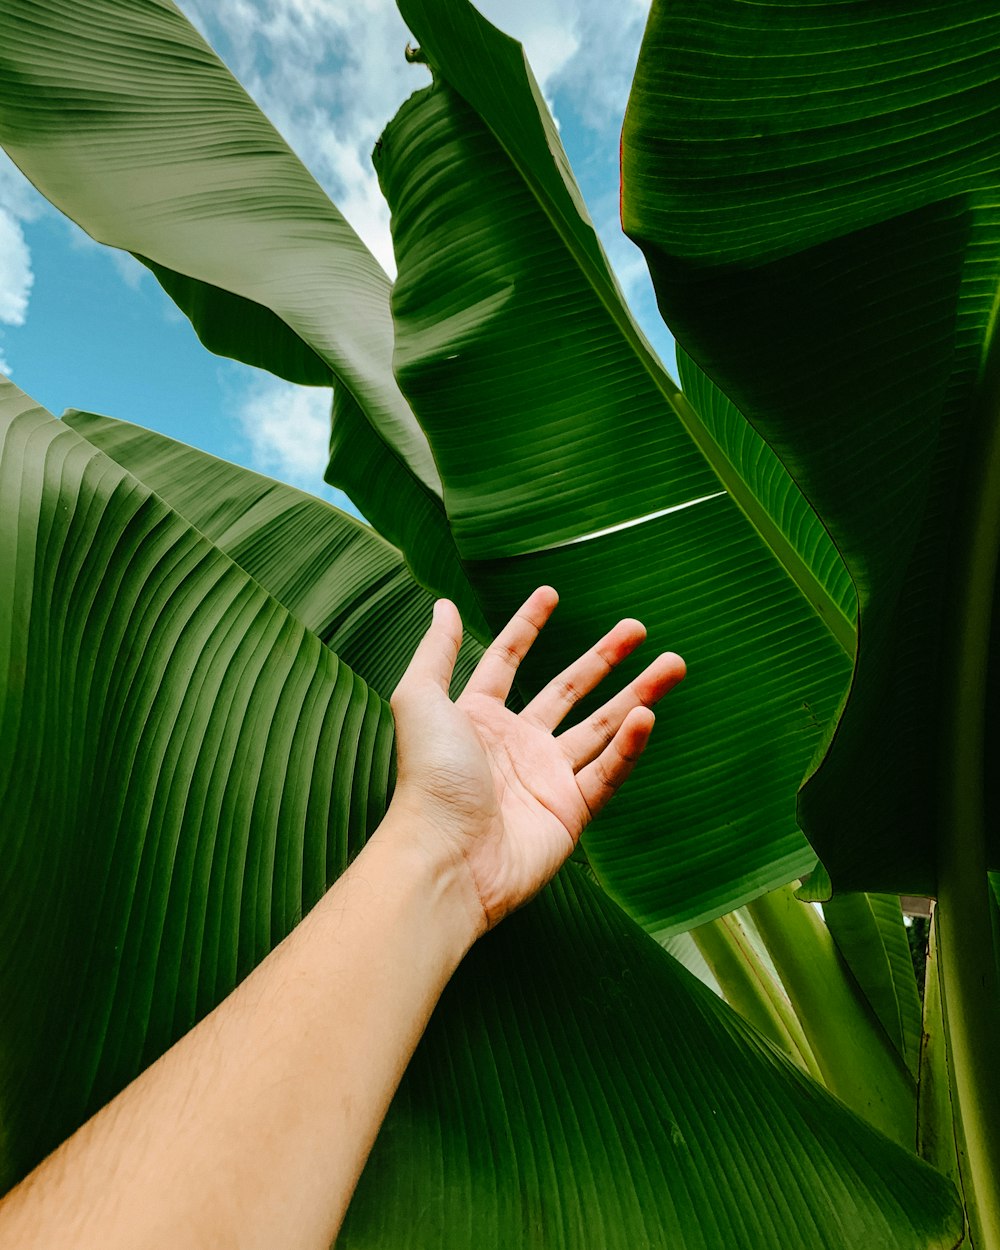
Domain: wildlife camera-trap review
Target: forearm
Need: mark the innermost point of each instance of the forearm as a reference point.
(253, 1129)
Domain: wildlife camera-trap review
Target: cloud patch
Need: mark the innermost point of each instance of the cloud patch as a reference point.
(288, 429)
(19, 202)
(16, 276)
(598, 77)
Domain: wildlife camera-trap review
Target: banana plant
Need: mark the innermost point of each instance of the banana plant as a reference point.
(197, 651)
(189, 764)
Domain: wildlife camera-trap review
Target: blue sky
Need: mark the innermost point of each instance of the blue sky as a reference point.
(84, 326)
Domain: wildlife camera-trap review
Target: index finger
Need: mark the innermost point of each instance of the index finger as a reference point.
(495, 672)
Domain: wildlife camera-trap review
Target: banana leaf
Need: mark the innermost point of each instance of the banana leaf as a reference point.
(342, 580)
(869, 932)
(186, 767)
(815, 192)
(124, 117)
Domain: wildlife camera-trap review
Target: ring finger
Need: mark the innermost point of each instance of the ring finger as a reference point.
(585, 742)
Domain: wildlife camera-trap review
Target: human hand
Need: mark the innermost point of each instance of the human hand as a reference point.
(494, 792)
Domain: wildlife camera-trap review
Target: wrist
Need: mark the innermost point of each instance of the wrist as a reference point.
(423, 861)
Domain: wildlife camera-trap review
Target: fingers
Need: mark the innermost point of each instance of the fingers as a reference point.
(601, 778)
(434, 659)
(495, 672)
(586, 741)
(550, 705)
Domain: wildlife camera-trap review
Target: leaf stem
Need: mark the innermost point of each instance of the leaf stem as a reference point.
(936, 1129)
(855, 1056)
(750, 988)
(967, 968)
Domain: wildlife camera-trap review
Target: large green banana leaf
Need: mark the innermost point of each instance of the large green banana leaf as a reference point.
(568, 456)
(490, 72)
(815, 188)
(696, 1136)
(187, 767)
(341, 580)
(350, 587)
(124, 118)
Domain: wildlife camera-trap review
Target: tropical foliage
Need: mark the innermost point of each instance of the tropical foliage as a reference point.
(190, 652)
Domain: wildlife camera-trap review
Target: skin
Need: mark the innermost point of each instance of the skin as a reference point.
(252, 1130)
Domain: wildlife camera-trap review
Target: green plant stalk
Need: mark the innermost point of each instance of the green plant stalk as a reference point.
(995, 918)
(857, 1060)
(935, 1120)
(972, 1028)
(748, 986)
(968, 977)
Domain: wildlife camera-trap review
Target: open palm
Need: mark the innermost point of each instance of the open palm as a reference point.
(503, 793)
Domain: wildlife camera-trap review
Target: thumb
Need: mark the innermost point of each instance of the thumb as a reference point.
(434, 659)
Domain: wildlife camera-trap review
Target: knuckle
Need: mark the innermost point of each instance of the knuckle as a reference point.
(506, 654)
(604, 776)
(569, 691)
(606, 657)
(628, 755)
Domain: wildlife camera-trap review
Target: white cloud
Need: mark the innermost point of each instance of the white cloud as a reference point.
(16, 276)
(19, 202)
(17, 195)
(129, 269)
(288, 429)
(599, 75)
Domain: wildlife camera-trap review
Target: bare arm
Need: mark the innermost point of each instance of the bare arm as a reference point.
(253, 1129)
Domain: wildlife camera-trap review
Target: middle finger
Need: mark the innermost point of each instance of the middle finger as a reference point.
(552, 703)
(584, 742)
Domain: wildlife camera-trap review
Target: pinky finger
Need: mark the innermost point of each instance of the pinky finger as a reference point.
(599, 780)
